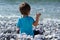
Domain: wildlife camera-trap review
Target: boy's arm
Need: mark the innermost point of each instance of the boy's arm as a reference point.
(17, 29)
(37, 19)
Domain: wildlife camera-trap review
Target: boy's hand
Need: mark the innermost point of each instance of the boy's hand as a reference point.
(38, 15)
(37, 19)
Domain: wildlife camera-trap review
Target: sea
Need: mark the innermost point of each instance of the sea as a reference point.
(48, 8)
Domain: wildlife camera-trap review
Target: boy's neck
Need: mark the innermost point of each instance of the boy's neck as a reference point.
(25, 15)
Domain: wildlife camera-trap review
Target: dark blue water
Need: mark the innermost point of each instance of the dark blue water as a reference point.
(48, 8)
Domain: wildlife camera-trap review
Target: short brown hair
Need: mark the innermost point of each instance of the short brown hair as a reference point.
(24, 8)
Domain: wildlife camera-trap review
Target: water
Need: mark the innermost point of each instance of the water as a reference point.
(51, 27)
(47, 9)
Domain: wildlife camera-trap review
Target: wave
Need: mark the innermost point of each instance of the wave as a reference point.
(34, 0)
(31, 1)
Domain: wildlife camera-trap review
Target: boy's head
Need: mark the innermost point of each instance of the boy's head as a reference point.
(24, 8)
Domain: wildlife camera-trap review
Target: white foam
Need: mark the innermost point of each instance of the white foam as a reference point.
(51, 27)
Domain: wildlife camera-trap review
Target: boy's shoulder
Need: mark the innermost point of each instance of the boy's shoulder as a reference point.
(19, 19)
(30, 17)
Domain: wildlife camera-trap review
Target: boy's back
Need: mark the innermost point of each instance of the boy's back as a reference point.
(25, 25)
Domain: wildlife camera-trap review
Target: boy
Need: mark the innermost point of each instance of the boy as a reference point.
(25, 23)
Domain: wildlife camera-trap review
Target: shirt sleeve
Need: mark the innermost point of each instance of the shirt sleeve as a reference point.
(18, 23)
